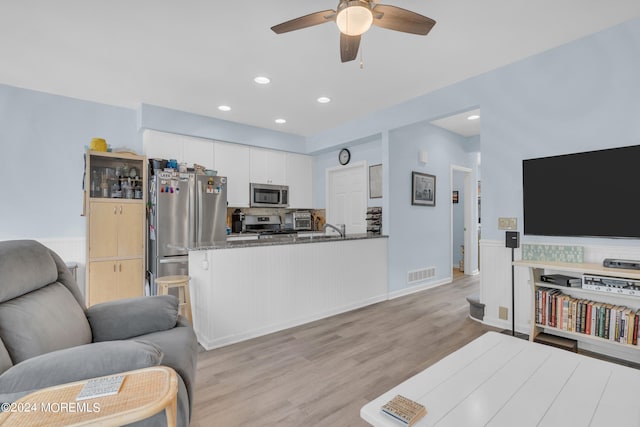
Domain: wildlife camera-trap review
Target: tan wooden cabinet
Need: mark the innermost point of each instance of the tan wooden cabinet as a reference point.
(115, 211)
(115, 279)
(115, 229)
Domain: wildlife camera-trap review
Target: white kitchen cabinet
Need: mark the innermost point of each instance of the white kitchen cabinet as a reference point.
(198, 151)
(267, 166)
(241, 165)
(299, 175)
(162, 145)
(232, 161)
(185, 149)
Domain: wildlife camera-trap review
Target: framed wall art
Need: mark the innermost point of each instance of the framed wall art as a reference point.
(423, 189)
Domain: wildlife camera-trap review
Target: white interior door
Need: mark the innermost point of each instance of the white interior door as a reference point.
(470, 250)
(347, 197)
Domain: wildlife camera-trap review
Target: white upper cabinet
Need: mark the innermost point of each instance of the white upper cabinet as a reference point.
(299, 175)
(185, 149)
(232, 161)
(161, 145)
(241, 165)
(198, 151)
(267, 166)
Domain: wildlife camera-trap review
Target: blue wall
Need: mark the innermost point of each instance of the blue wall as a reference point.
(580, 96)
(369, 150)
(419, 236)
(42, 138)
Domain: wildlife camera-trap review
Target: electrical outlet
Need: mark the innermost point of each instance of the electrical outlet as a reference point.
(503, 313)
(507, 223)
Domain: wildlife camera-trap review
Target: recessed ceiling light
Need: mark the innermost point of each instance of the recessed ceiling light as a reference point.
(262, 80)
(224, 108)
(473, 117)
(324, 100)
(280, 121)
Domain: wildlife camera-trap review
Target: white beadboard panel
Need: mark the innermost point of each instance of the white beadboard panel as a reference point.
(248, 292)
(495, 286)
(70, 249)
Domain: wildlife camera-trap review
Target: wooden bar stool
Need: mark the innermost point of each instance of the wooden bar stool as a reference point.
(182, 283)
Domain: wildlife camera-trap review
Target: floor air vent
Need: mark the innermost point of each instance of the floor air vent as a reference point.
(420, 275)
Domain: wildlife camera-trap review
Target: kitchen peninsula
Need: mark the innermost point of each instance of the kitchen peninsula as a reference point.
(248, 288)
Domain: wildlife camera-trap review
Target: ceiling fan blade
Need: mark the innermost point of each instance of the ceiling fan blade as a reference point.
(349, 47)
(398, 19)
(310, 20)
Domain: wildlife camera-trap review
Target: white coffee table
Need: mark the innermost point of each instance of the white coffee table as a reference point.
(499, 380)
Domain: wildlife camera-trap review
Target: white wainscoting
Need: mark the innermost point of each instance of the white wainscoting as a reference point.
(495, 287)
(237, 294)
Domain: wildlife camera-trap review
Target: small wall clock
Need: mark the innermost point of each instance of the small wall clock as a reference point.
(344, 156)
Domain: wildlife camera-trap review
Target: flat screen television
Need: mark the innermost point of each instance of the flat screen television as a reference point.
(590, 194)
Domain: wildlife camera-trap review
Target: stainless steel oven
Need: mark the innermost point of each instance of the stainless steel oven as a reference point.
(269, 196)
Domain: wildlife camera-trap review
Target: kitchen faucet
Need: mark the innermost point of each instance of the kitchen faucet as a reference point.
(340, 230)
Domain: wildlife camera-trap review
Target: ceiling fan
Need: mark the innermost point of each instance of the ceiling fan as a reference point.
(355, 17)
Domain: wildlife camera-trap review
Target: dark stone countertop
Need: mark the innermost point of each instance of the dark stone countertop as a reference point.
(276, 240)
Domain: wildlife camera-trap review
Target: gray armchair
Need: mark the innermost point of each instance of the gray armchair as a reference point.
(49, 337)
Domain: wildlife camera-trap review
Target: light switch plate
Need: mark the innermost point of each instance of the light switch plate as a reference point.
(507, 223)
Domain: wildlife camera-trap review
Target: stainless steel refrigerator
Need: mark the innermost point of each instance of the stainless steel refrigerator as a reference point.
(184, 208)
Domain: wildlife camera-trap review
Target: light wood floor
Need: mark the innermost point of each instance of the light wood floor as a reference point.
(322, 373)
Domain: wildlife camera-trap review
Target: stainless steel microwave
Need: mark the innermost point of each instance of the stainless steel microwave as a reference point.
(269, 196)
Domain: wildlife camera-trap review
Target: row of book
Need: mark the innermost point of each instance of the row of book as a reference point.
(608, 321)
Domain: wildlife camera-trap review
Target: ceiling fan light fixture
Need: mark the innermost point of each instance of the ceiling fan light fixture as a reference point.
(354, 18)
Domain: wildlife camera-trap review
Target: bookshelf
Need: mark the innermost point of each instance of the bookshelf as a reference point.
(590, 300)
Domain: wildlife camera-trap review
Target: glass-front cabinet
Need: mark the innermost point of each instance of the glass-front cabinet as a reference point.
(115, 198)
(110, 175)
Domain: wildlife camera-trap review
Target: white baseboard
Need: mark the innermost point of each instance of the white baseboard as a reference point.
(232, 339)
(418, 288)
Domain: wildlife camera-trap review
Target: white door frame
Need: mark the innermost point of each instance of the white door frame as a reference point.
(469, 250)
(362, 165)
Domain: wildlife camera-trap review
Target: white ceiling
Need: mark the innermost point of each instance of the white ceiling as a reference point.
(194, 55)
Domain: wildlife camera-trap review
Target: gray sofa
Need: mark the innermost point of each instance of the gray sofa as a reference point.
(49, 337)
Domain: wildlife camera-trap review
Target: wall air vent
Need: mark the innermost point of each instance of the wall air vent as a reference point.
(420, 275)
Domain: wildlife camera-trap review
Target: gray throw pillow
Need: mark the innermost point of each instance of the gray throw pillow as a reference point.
(79, 363)
(128, 318)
